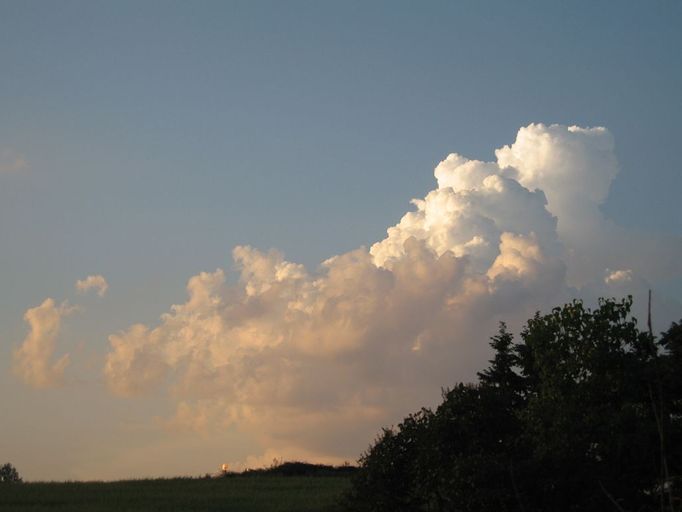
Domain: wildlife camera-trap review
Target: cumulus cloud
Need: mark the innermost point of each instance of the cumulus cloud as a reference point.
(618, 276)
(33, 360)
(313, 363)
(575, 167)
(94, 282)
(12, 162)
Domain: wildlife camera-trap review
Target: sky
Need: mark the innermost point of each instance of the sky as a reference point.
(208, 249)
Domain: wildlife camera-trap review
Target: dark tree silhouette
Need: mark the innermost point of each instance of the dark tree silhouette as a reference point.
(584, 413)
(9, 474)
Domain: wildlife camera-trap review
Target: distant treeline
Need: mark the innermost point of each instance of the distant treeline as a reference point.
(296, 468)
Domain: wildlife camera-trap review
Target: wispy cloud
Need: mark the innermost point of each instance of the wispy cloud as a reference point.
(12, 162)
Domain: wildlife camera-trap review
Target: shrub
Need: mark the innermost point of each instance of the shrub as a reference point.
(9, 474)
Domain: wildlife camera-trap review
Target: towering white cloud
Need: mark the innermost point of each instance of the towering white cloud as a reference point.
(93, 282)
(575, 167)
(33, 359)
(314, 363)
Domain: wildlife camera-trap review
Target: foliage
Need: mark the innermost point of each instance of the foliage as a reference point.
(9, 474)
(584, 413)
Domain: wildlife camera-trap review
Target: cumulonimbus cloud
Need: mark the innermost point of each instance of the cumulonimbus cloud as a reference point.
(33, 359)
(313, 363)
(93, 282)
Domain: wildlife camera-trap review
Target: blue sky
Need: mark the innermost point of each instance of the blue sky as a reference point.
(159, 135)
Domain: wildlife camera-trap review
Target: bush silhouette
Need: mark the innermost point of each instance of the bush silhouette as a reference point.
(9, 474)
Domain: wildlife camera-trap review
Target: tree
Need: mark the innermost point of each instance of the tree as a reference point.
(588, 417)
(9, 474)
(392, 477)
(472, 443)
(501, 372)
(459, 457)
(583, 413)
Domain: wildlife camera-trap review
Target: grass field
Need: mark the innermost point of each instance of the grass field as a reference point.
(262, 493)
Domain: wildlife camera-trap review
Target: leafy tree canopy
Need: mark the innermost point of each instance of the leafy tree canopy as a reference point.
(584, 412)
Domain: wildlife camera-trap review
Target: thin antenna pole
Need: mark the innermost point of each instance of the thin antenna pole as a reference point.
(658, 415)
(648, 322)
